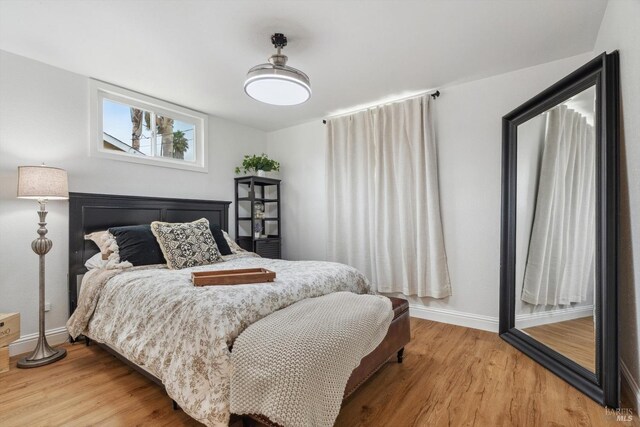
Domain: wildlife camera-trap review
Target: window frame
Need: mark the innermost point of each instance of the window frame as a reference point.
(99, 91)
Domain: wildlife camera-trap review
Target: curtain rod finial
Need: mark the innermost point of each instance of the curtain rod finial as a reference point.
(435, 94)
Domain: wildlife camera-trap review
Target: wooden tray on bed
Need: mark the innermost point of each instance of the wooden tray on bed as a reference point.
(232, 277)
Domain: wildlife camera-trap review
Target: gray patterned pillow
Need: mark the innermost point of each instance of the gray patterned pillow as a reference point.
(186, 244)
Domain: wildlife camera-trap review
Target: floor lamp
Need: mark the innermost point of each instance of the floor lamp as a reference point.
(42, 183)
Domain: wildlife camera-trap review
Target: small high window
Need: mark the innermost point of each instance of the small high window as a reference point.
(132, 127)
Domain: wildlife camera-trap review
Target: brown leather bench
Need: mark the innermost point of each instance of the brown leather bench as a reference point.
(398, 335)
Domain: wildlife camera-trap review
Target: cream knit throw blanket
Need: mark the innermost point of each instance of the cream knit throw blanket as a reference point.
(293, 365)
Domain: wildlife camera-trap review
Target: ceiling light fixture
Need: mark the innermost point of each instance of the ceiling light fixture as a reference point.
(276, 83)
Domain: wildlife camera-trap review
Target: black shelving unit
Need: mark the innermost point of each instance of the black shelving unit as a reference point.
(257, 189)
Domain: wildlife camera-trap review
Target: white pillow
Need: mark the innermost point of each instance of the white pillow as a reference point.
(112, 263)
(95, 261)
(235, 248)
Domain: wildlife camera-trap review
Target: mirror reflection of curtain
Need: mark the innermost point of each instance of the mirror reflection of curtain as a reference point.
(560, 265)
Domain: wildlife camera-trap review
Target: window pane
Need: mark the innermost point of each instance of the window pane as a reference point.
(175, 139)
(124, 128)
(184, 140)
(135, 131)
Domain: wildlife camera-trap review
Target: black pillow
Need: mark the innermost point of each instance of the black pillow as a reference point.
(138, 245)
(221, 242)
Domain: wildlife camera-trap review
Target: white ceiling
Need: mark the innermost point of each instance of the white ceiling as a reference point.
(197, 52)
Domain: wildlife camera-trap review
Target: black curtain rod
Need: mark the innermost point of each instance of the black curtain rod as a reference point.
(433, 95)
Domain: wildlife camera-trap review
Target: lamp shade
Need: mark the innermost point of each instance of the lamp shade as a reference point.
(277, 85)
(42, 182)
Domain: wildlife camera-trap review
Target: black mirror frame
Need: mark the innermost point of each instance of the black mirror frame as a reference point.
(603, 386)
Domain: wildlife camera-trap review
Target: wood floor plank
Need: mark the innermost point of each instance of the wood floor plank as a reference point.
(574, 339)
(451, 376)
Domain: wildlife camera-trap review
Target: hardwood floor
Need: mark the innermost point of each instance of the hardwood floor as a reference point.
(451, 376)
(572, 338)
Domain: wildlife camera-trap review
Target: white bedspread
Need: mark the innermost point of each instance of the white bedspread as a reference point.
(181, 333)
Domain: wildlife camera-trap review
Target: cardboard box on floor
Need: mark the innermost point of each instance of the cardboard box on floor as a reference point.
(9, 332)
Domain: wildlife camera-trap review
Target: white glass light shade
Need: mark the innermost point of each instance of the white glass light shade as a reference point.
(42, 182)
(277, 85)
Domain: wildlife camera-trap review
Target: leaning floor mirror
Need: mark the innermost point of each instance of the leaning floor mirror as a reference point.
(559, 229)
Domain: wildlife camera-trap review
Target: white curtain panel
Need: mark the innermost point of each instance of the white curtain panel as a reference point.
(383, 198)
(560, 267)
(350, 179)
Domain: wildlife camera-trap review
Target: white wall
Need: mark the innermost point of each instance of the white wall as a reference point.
(469, 149)
(301, 151)
(44, 117)
(620, 30)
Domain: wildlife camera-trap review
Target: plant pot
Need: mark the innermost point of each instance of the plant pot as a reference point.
(262, 173)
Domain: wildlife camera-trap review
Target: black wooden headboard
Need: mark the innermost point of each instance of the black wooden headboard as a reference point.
(94, 212)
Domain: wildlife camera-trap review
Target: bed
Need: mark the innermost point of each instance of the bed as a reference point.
(92, 212)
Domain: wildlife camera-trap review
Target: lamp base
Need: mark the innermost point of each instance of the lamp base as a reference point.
(25, 362)
(42, 355)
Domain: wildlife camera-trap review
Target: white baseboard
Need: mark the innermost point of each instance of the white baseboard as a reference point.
(475, 321)
(27, 343)
(489, 323)
(632, 386)
(543, 317)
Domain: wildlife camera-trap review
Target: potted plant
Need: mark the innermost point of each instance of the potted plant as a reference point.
(258, 165)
